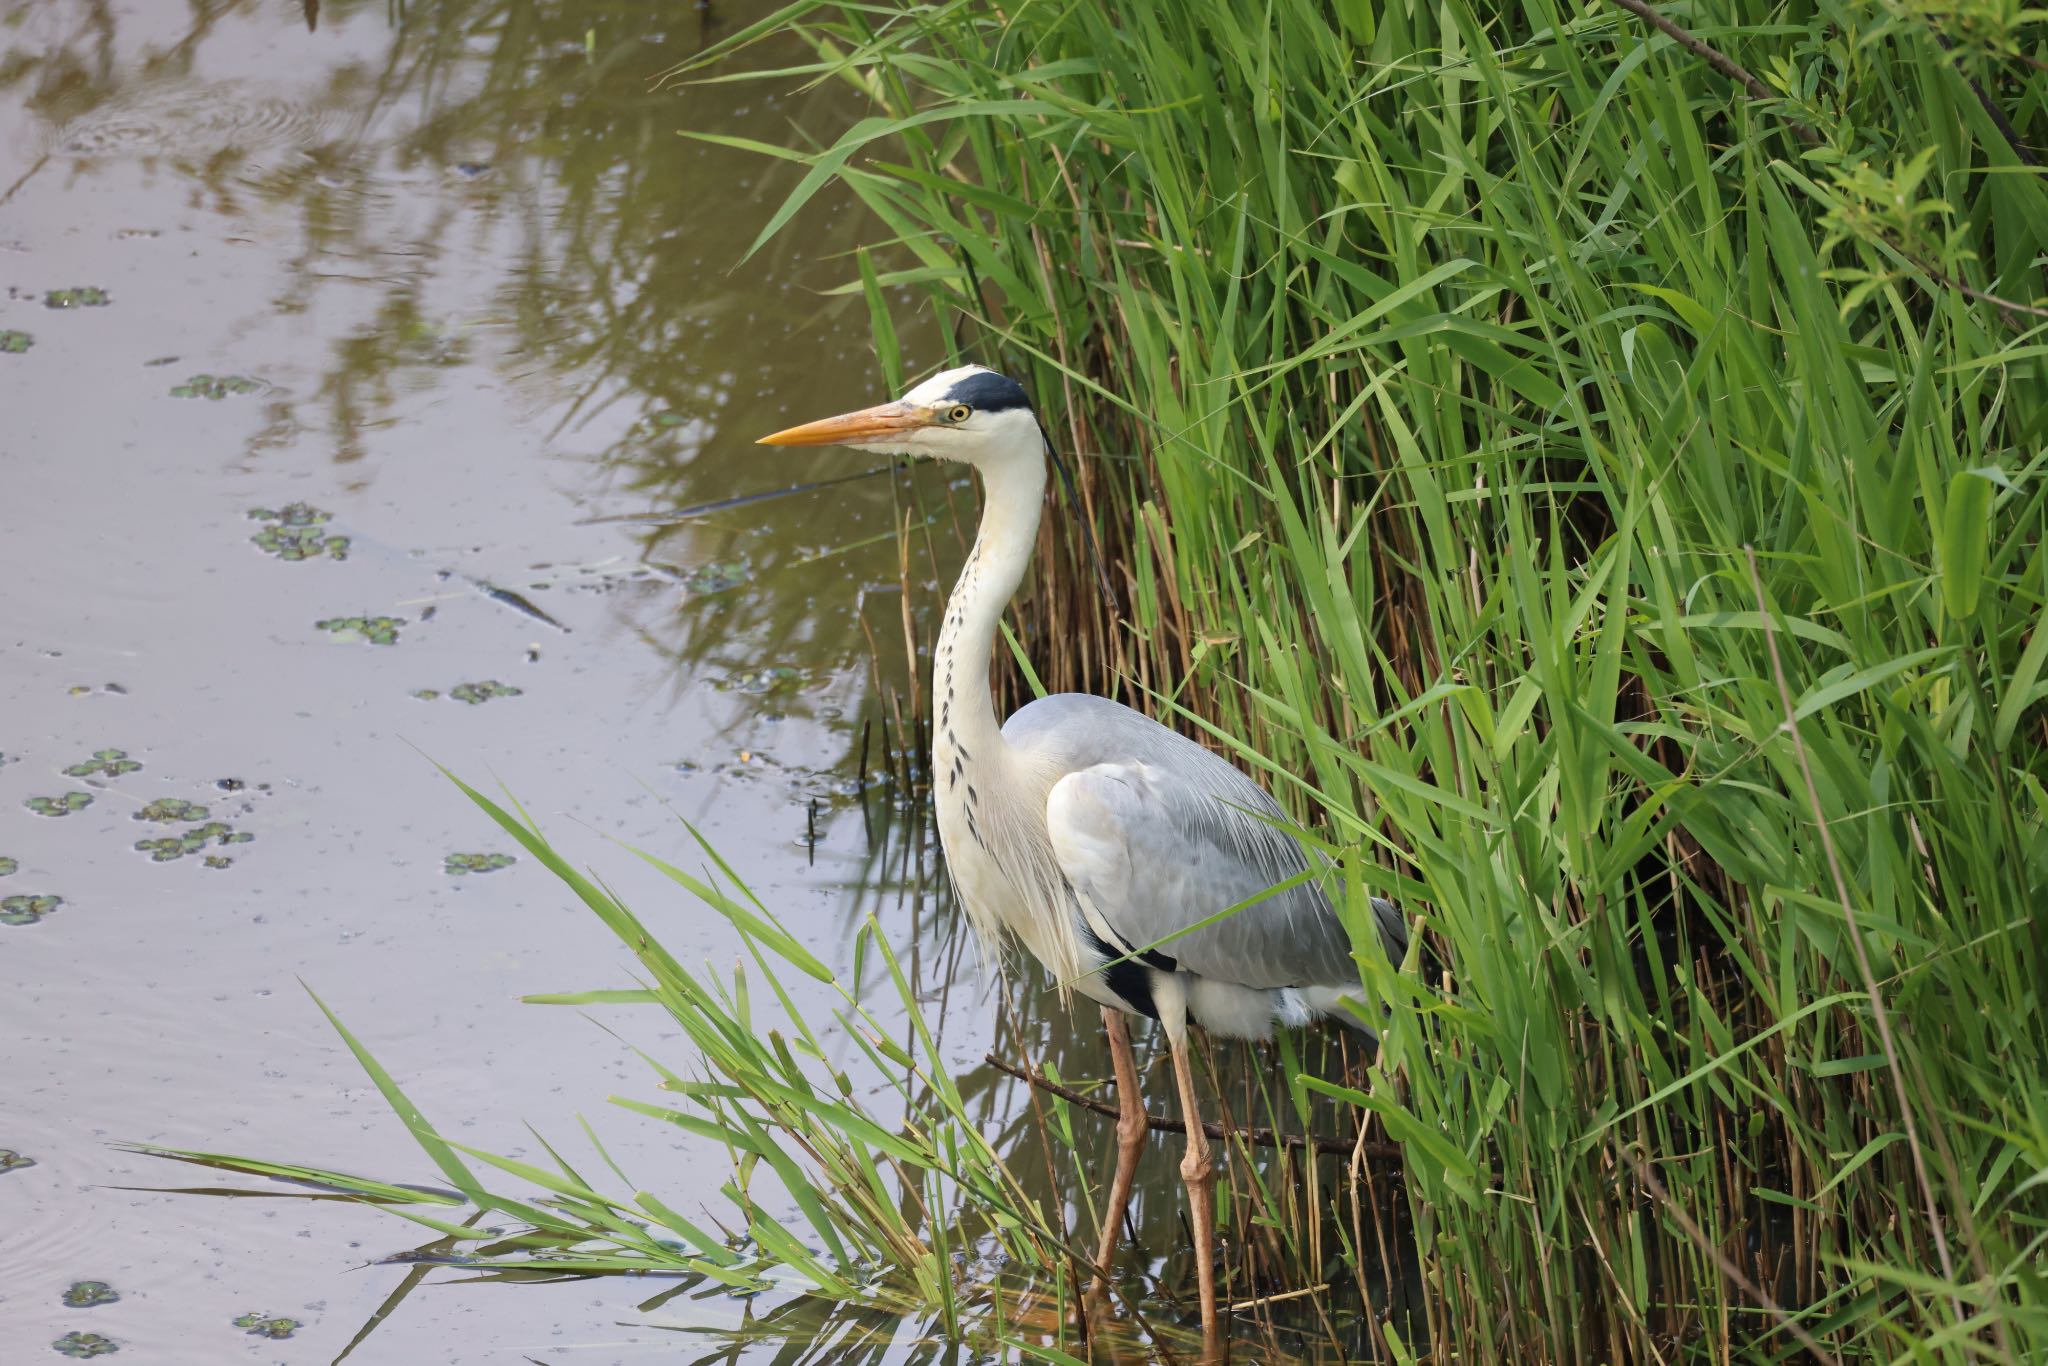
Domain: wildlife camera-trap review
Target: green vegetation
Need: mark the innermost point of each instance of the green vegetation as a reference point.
(217, 386)
(106, 763)
(458, 864)
(13, 342)
(375, 630)
(9, 866)
(12, 1161)
(475, 694)
(266, 1326)
(170, 848)
(82, 296)
(90, 1294)
(85, 1345)
(865, 1179)
(293, 532)
(61, 805)
(23, 909)
(1604, 495)
(168, 809)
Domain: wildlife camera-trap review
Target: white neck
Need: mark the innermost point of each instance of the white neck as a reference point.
(1013, 491)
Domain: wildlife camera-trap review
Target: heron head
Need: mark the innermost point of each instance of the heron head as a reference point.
(972, 415)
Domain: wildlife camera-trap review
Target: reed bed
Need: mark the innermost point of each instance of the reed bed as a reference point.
(1590, 461)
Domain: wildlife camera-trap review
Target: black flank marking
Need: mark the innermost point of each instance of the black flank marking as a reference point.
(1131, 981)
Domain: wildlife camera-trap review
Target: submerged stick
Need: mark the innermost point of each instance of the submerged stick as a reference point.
(1258, 1138)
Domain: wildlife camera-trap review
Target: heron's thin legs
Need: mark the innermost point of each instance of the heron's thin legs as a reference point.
(1130, 1141)
(1200, 1174)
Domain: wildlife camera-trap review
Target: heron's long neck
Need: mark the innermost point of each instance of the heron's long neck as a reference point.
(1012, 493)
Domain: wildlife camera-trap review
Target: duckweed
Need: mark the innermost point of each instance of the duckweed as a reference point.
(172, 809)
(760, 682)
(12, 1161)
(169, 848)
(9, 866)
(110, 763)
(478, 863)
(216, 386)
(477, 693)
(376, 630)
(718, 577)
(90, 1294)
(79, 296)
(13, 343)
(294, 533)
(27, 910)
(265, 1326)
(59, 806)
(427, 694)
(85, 1345)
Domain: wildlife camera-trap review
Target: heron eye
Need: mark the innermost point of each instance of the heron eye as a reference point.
(959, 412)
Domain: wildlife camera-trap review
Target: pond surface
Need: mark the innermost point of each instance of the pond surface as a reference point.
(327, 335)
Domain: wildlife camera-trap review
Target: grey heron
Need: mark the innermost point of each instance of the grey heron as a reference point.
(1091, 833)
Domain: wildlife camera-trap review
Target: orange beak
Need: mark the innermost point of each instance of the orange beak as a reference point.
(887, 419)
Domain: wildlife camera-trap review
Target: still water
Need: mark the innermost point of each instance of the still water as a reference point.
(447, 277)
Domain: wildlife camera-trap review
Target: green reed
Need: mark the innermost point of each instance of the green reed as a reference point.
(1606, 501)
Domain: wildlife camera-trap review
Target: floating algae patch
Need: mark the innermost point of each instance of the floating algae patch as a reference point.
(266, 1326)
(85, 1345)
(13, 343)
(12, 1161)
(475, 694)
(78, 296)
(9, 866)
(90, 1295)
(108, 763)
(27, 910)
(169, 848)
(172, 809)
(294, 532)
(217, 386)
(478, 863)
(719, 577)
(427, 694)
(376, 630)
(774, 678)
(59, 806)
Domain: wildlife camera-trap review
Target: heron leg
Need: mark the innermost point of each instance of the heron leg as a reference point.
(1130, 1142)
(1199, 1172)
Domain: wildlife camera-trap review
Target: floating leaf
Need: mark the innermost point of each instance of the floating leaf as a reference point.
(295, 533)
(479, 863)
(85, 1345)
(375, 630)
(59, 806)
(172, 809)
(110, 763)
(27, 910)
(90, 1294)
(217, 386)
(475, 693)
(170, 848)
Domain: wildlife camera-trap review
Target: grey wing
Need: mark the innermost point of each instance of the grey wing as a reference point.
(1150, 851)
